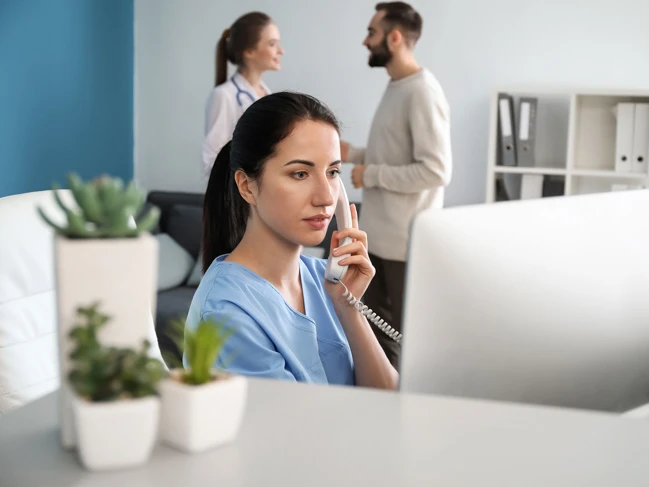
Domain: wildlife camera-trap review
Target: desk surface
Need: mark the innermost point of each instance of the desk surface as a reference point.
(298, 435)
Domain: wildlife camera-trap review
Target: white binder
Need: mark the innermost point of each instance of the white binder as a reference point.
(624, 136)
(640, 138)
(532, 186)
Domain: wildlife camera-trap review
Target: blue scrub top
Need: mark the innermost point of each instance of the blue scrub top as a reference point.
(272, 339)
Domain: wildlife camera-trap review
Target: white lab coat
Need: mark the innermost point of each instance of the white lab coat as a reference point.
(222, 111)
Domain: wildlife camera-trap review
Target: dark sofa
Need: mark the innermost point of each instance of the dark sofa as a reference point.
(181, 218)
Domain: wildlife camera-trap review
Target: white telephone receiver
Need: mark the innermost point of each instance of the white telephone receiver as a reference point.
(335, 272)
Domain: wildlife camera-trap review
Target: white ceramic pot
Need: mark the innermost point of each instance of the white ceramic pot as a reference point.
(195, 418)
(119, 273)
(116, 434)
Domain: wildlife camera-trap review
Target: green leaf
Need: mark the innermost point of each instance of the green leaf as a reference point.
(107, 373)
(77, 226)
(148, 221)
(133, 198)
(57, 228)
(203, 347)
(59, 201)
(105, 209)
(109, 191)
(86, 197)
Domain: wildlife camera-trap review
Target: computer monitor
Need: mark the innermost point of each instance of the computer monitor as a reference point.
(539, 301)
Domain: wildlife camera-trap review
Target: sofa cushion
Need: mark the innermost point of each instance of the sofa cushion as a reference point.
(172, 304)
(184, 225)
(166, 200)
(174, 262)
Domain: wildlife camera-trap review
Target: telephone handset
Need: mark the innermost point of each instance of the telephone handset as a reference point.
(335, 272)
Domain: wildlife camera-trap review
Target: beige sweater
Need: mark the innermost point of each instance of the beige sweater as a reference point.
(409, 162)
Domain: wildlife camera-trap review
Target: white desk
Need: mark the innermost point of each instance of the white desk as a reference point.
(302, 435)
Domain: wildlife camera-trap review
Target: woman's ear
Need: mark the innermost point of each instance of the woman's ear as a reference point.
(247, 187)
(246, 55)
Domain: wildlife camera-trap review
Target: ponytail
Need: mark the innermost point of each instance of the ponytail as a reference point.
(225, 212)
(222, 58)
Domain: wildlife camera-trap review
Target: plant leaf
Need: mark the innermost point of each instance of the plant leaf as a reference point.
(148, 221)
(57, 228)
(86, 197)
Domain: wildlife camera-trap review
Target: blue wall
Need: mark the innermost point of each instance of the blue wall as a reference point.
(66, 91)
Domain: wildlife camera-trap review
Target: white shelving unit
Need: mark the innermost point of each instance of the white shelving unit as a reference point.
(575, 143)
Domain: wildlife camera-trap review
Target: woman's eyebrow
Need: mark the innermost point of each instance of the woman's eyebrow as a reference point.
(300, 161)
(309, 163)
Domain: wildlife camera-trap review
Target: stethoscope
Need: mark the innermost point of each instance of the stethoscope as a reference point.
(241, 92)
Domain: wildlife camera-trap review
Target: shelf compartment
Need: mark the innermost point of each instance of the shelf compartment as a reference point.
(587, 184)
(595, 126)
(552, 122)
(508, 186)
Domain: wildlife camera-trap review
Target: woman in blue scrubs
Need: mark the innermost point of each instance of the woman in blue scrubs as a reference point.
(272, 190)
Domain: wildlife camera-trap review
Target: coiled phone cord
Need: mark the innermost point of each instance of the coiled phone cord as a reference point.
(371, 316)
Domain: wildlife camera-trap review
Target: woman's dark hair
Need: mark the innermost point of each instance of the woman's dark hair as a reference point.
(244, 34)
(263, 125)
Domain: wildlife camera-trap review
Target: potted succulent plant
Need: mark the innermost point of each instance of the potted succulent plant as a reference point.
(103, 254)
(115, 403)
(202, 407)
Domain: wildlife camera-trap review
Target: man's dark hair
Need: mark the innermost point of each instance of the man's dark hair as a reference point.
(400, 15)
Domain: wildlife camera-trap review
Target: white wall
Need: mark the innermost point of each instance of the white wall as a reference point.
(473, 47)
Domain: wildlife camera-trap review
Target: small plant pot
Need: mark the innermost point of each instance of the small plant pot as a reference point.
(116, 434)
(196, 418)
(123, 278)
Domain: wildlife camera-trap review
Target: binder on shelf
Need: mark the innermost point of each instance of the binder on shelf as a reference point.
(554, 186)
(624, 136)
(640, 139)
(506, 130)
(526, 141)
(532, 186)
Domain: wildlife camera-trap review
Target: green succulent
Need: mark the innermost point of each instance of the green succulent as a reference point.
(201, 348)
(102, 373)
(105, 209)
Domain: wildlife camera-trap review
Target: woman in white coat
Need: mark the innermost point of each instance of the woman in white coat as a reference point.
(252, 44)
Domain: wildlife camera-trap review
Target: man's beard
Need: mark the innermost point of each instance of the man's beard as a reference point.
(380, 55)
